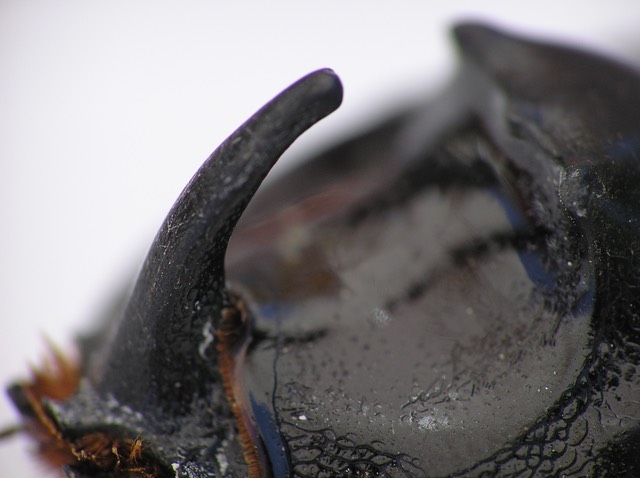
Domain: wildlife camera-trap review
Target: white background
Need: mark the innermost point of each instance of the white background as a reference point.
(108, 108)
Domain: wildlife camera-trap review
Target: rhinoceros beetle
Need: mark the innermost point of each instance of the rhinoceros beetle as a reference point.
(455, 292)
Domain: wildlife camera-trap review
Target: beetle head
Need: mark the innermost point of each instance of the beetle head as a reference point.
(153, 391)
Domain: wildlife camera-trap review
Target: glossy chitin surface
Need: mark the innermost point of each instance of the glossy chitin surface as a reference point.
(429, 326)
(456, 299)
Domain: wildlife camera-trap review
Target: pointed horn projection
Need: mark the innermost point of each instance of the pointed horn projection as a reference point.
(177, 301)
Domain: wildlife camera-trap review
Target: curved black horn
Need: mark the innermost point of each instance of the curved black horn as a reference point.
(176, 303)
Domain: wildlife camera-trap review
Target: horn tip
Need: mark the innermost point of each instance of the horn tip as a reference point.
(327, 86)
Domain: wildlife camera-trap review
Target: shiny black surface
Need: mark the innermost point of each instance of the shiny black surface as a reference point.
(453, 293)
(473, 313)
